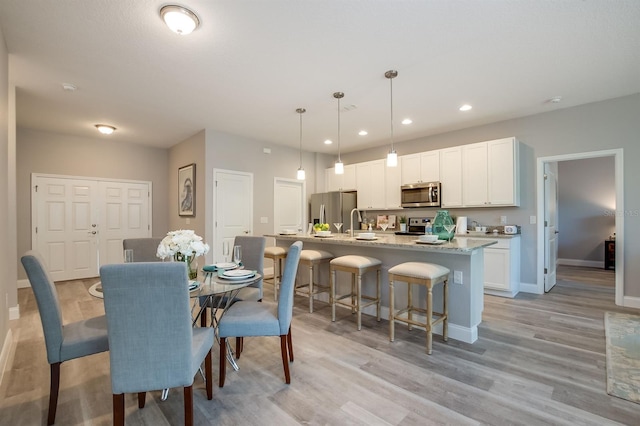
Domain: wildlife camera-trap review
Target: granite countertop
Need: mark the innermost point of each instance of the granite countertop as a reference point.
(464, 245)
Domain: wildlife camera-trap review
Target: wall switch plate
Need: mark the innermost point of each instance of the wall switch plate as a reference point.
(264, 219)
(503, 220)
(266, 150)
(532, 220)
(457, 277)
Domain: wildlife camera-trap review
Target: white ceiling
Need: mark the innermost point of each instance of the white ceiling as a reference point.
(251, 63)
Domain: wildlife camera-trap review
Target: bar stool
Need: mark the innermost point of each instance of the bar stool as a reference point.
(426, 274)
(277, 255)
(357, 266)
(311, 259)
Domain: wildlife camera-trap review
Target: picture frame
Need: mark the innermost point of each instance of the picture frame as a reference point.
(187, 190)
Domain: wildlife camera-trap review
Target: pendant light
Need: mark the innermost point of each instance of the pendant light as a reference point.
(392, 156)
(301, 174)
(339, 166)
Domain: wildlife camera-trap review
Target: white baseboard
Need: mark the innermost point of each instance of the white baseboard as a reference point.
(583, 263)
(529, 288)
(23, 283)
(4, 354)
(631, 302)
(14, 312)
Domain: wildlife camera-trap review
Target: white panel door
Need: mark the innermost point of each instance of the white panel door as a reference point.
(551, 227)
(289, 201)
(65, 221)
(124, 213)
(233, 210)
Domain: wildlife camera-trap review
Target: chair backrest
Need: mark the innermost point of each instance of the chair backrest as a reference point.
(252, 255)
(48, 305)
(149, 325)
(285, 297)
(144, 249)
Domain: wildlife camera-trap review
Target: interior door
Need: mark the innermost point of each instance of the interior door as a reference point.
(233, 210)
(289, 204)
(551, 225)
(65, 226)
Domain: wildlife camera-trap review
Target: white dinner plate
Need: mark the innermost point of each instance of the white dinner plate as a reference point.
(237, 274)
(226, 265)
(435, 243)
(193, 285)
(366, 239)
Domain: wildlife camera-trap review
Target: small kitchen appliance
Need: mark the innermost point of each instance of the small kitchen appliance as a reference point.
(511, 229)
(416, 226)
(423, 194)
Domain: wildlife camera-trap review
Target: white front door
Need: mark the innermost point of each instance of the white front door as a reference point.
(79, 223)
(233, 210)
(289, 205)
(551, 226)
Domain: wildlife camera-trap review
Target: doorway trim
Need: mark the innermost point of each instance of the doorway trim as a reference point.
(303, 208)
(617, 154)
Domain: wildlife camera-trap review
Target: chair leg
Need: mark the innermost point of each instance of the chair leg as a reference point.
(188, 405)
(445, 311)
(118, 409)
(285, 361)
(239, 348)
(290, 345)
(429, 319)
(223, 361)
(142, 398)
(359, 301)
(53, 392)
(208, 375)
(391, 309)
(311, 288)
(203, 318)
(332, 294)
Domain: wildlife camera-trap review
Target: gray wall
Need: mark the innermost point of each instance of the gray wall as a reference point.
(586, 202)
(41, 152)
(598, 126)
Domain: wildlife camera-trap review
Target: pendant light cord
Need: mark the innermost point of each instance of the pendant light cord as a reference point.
(338, 129)
(391, 97)
(300, 113)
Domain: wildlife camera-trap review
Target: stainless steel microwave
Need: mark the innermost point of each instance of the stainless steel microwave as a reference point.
(423, 194)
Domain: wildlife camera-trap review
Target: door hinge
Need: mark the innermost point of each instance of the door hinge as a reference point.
(545, 223)
(36, 188)
(36, 229)
(545, 177)
(216, 184)
(546, 271)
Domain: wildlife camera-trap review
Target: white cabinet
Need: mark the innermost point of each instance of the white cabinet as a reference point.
(502, 267)
(490, 173)
(451, 177)
(343, 182)
(370, 184)
(420, 167)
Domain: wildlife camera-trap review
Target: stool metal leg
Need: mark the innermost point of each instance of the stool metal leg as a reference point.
(391, 310)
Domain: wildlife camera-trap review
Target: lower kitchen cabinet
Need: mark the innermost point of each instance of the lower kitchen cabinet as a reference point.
(502, 267)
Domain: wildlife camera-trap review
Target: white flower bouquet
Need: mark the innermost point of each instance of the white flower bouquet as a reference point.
(184, 243)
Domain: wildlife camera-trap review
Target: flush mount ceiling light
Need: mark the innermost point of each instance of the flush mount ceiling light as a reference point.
(392, 156)
(465, 107)
(105, 129)
(179, 19)
(339, 164)
(301, 174)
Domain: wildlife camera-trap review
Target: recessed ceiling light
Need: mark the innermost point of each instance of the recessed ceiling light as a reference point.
(363, 133)
(555, 100)
(328, 142)
(179, 19)
(69, 87)
(105, 129)
(465, 107)
(407, 121)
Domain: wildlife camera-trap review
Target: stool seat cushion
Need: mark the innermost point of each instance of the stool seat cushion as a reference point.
(419, 270)
(275, 251)
(315, 255)
(354, 261)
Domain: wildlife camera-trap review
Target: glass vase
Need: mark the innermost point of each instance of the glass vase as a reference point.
(192, 265)
(442, 218)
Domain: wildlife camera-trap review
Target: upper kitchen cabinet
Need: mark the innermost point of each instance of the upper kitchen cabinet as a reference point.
(451, 177)
(420, 167)
(371, 185)
(490, 173)
(343, 182)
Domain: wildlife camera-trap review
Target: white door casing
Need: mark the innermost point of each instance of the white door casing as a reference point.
(233, 210)
(550, 226)
(289, 205)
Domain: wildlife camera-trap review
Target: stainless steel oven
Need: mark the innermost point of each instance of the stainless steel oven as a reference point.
(423, 194)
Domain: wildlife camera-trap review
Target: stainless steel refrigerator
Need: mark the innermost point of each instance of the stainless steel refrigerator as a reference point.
(336, 207)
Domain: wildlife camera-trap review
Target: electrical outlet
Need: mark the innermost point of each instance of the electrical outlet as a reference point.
(503, 220)
(532, 220)
(457, 277)
(264, 219)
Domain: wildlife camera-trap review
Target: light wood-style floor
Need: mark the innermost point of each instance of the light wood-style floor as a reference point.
(538, 360)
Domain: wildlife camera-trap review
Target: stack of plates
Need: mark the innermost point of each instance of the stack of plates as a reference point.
(236, 274)
(193, 285)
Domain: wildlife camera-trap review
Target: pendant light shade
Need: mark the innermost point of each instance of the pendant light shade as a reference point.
(339, 166)
(392, 156)
(300, 175)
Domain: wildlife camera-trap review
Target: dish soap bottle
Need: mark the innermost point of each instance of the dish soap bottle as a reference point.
(428, 229)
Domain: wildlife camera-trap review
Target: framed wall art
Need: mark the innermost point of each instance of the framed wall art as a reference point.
(187, 190)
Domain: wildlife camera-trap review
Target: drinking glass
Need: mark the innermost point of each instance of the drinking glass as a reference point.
(128, 256)
(237, 254)
(450, 229)
(338, 226)
(225, 250)
(384, 226)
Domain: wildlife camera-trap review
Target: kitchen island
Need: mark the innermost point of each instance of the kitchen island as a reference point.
(463, 256)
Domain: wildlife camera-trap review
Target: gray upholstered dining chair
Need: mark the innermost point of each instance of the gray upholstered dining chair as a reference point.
(152, 347)
(63, 341)
(144, 249)
(249, 318)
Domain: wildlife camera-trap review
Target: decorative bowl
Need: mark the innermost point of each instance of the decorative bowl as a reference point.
(428, 238)
(366, 235)
(323, 233)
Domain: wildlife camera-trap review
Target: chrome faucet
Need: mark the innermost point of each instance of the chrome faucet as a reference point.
(351, 219)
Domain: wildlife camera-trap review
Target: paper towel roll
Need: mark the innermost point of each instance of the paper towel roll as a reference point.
(461, 225)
